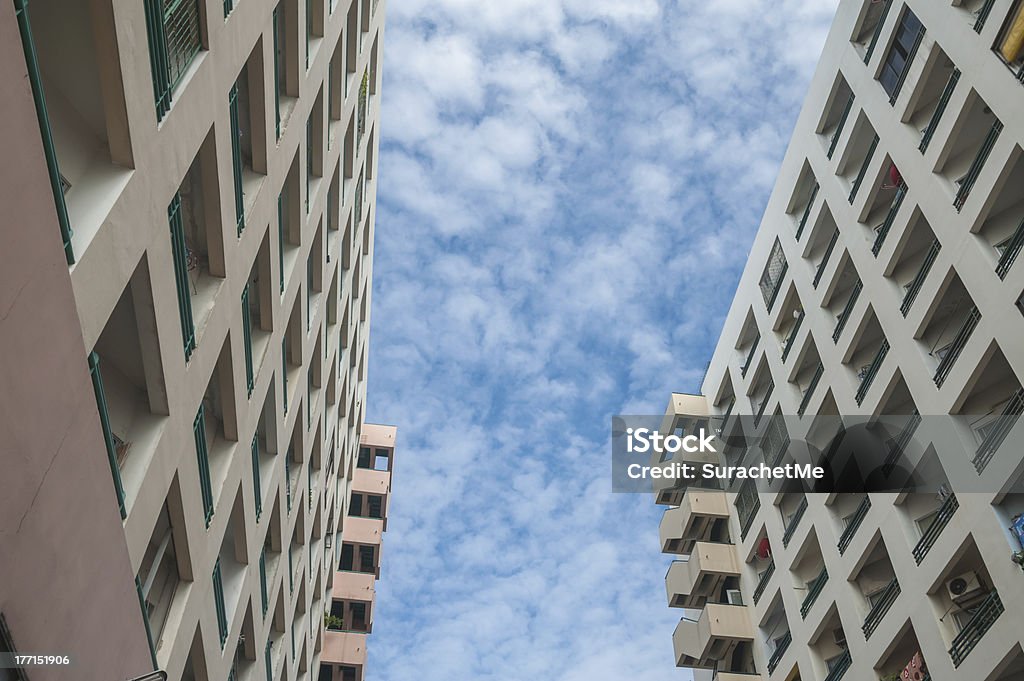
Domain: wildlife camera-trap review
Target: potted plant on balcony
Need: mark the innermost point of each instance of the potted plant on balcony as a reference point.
(333, 623)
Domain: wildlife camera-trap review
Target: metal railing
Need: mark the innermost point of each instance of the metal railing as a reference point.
(982, 620)
(824, 258)
(813, 591)
(203, 459)
(179, 253)
(218, 601)
(806, 399)
(839, 127)
(869, 377)
(890, 218)
(900, 442)
(922, 273)
(906, 66)
(764, 403)
(257, 485)
(807, 212)
(247, 339)
(881, 606)
(855, 522)
(779, 651)
(276, 28)
(794, 522)
(878, 31)
(172, 31)
(935, 527)
(750, 356)
(988, 447)
(263, 580)
(839, 670)
(778, 286)
(791, 337)
(844, 316)
(967, 183)
(859, 180)
(236, 158)
(748, 503)
(940, 108)
(775, 441)
(762, 581)
(108, 435)
(957, 346)
(986, 9)
(1011, 251)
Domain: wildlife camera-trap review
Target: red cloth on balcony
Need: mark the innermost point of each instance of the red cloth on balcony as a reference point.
(894, 175)
(764, 548)
(915, 669)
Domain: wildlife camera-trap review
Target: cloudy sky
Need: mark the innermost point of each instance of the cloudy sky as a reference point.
(567, 192)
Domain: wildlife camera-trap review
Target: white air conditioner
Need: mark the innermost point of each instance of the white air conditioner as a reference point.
(734, 597)
(963, 586)
(839, 636)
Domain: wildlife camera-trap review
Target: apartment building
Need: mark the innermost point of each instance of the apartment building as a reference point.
(187, 261)
(883, 281)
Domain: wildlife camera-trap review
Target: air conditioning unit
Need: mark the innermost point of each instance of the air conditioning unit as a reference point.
(734, 597)
(963, 586)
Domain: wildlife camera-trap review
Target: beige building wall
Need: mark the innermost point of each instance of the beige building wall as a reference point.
(870, 291)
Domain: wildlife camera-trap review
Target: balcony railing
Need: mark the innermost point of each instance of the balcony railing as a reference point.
(257, 486)
(236, 157)
(807, 212)
(276, 28)
(863, 169)
(218, 600)
(869, 377)
(203, 459)
(878, 31)
(778, 286)
(764, 404)
(988, 447)
(108, 436)
(1011, 251)
(900, 442)
(844, 316)
(813, 591)
(824, 258)
(940, 108)
(839, 127)
(840, 667)
(982, 620)
(806, 400)
(791, 338)
(957, 346)
(748, 503)
(922, 273)
(968, 180)
(263, 580)
(850, 531)
(986, 9)
(779, 651)
(750, 356)
(906, 65)
(179, 253)
(938, 523)
(794, 522)
(762, 581)
(172, 29)
(894, 209)
(880, 607)
(775, 442)
(247, 340)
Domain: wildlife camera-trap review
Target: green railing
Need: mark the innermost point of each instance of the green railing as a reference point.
(850, 531)
(1010, 251)
(906, 65)
(228, 6)
(280, 238)
(247, 339)
(890, 218)
(881, 606)
(869, 377)
(807, 211)
(922, 273)
(309, 28)
(839, 126)
(899, 444)
(935, 527)
(257, 486)
(42, 116)
(805, 401)
(988, 447)
(284, 372)
(982, 620)
(288, 481)
(309, 158)
(957, 346)
(940, 108)
(291, 570)
(820, 270)
(236, 159)
(108, 435)
(844, 316)
(791, 337)
(203, 457)
(218, 601)
(173, 35)
(967, 183)
(859, 180)
(179, 252)
(268, 661)
(750, 356)
(986, 9)
(839, 668)
(764, 403)
(780, 650)
(778, 286)
(358, 210)
(263, 581)
(813, 591)
(146, 624)
(878, 31)
(762, 581)
(794, 522)
(277, 72)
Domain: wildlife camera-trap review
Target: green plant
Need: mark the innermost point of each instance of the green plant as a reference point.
(332, 622)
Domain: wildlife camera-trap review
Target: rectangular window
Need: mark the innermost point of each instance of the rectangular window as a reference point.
(346, 564)
(180, 254)
(202, 455)
(218, 601)
(364, 458)
(375, 506)
(367, 562)
(904, 46)
(355, 506)
(236, 159)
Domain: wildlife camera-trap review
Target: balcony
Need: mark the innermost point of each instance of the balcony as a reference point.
(810, 202)
(967, 181)
(872, 371)
(763, 580)
(820, 270)
(791, 337)
(899, 444)
(994, 438)
(813, 591)
(344, 647)
(844, 316)
(883, 229)
(693, 520)
(938, 523)
(859, 180)
(881, 606)
(914, 287)
(969, 637)
(702, 643)
(838, 668)
(763, 403)
(834, 142)
(690, 583)
(957, 345)
(780, 650)
(805, 401)
(853, 524)
(750, 356)
(882, 13)
(1010, 249)
(940, 108)
(794, 522)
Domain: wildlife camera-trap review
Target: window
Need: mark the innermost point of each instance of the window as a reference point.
(364, 458)
(158, 574)
(173, 33)
(382, 460)
(904, 46)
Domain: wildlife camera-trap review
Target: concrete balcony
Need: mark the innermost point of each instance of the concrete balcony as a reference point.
(700, 515)
(689, 583)
(371, 481)
(360, 530)
(344, 647)
(699, 644)
(354, 586)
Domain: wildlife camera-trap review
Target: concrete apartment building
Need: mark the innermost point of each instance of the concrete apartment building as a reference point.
(882, 281)
(185, 277)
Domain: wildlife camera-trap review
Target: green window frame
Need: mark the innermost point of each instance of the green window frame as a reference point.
(218, 601)
(247, 340)
(236, 159)
(108, 437)
(257, 485)
(228, 6)
(203, 458)
(179, 252)
(174, 37)
(277, 71)
(264, 602)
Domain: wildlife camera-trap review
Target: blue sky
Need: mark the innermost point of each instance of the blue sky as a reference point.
(566, 196)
